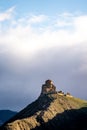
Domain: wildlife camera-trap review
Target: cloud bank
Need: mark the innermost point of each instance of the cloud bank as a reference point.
(37, 47)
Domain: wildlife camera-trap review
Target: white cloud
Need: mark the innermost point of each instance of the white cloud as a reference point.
(24, 39)
(65, 19)
(63, 23)
(81, 23)
(37, 19)
(7, 14)
(66, 15)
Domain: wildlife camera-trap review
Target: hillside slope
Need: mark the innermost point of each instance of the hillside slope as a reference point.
(51, 112)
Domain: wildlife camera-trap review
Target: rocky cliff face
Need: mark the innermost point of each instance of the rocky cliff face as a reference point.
(51, 111)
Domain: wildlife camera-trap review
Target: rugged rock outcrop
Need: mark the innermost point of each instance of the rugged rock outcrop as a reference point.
(51, 111)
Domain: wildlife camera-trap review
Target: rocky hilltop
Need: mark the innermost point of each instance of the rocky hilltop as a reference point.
(51, 111)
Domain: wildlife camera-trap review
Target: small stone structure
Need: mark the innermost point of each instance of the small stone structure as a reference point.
(68, 94)
(48, 87)
(60, 93)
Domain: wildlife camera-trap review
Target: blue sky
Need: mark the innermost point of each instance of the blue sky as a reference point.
(41, 40)
(47, 7)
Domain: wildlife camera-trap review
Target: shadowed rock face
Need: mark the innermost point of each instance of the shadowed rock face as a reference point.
(51, 111)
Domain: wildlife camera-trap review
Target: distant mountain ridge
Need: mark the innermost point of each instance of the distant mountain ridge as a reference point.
(6, 115)
(51, 111)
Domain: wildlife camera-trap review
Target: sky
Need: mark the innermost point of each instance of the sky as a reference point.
(42, 40)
